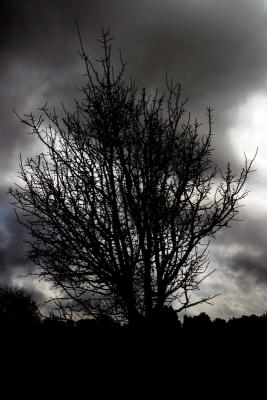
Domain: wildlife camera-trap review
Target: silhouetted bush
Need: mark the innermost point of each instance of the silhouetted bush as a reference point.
(199, 322)
(219, 324)
(17, 308)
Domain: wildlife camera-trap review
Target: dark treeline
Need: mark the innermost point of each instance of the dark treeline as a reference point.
(109, 348)
(105, 325)
(23, 328)
(19, 311)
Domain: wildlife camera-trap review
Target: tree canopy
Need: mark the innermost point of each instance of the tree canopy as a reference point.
(124, 199)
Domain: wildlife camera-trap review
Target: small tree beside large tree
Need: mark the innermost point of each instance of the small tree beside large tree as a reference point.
(124, 199)
(17, 307)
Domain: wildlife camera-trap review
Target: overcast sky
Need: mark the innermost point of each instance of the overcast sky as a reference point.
(217, 50)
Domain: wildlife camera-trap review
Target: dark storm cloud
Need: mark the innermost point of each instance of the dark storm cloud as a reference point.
(242, 251)
(14, 265)
(216, 49)
(245, 264)
(12, 247)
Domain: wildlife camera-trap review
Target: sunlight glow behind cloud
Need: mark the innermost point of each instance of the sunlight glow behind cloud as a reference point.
(248, 133)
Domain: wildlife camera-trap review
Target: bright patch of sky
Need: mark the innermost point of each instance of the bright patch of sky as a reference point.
(248, 133)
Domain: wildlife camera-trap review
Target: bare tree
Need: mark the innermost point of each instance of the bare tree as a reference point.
(123, 201)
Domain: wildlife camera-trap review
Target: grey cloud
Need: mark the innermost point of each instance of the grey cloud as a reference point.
(13, 260)
(245, 264)
(216, 50)
(242, 252)
(14, 265)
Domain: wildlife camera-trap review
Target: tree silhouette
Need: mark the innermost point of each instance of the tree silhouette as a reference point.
(124, 199)
(17, 307)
